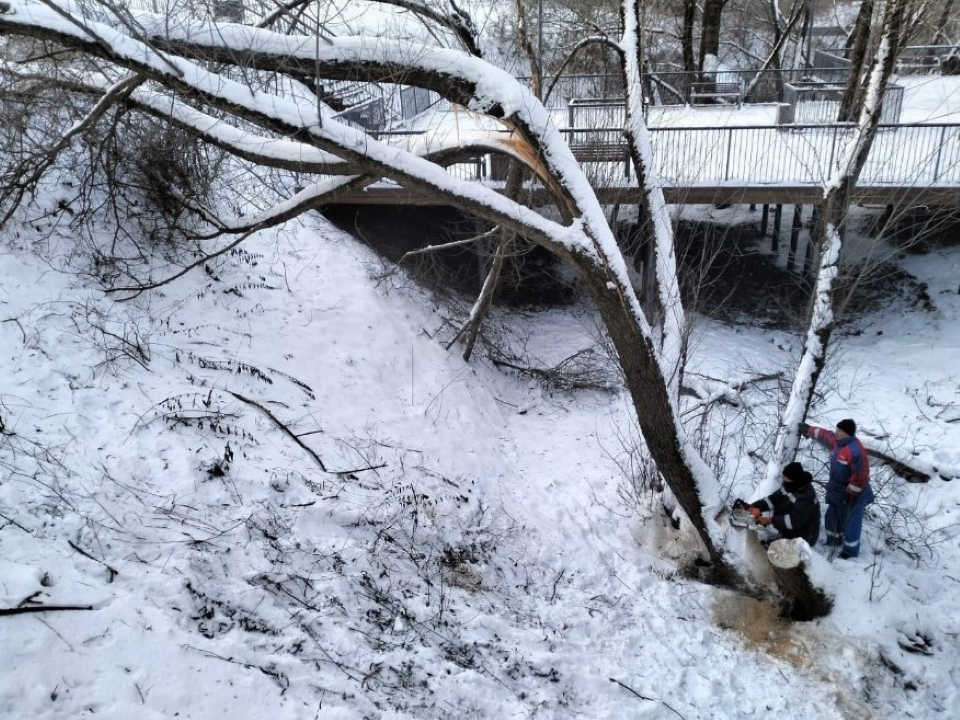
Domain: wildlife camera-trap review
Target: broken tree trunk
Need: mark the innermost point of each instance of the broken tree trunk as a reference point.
(792, 561)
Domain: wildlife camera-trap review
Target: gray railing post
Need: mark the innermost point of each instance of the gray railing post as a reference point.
(936, 167)
(833, 151)
(726, 170)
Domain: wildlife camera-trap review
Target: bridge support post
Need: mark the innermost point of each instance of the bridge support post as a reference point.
(775, 238)
(808, 259)
(884, 221)
(764, 220)
(795, 235)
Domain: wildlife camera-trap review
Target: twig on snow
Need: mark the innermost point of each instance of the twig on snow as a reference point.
(631, 690)
(644, 697)
(296, 438)
(113, 571)
(11, 520)
(287, 431)
(42, 608)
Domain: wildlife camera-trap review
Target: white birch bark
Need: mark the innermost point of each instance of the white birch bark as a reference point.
(836, 192)
(673, 328)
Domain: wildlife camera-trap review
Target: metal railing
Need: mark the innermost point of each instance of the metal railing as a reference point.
(798, 155)
(901, 155)
(820, 103)
(674, 87)
(928, 60)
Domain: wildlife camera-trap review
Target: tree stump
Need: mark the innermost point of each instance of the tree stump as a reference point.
(803, 597)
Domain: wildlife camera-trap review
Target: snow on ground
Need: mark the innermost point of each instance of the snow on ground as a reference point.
(930, 99)
(471, 549)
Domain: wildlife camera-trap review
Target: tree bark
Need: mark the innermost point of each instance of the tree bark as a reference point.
(857, 45)
(803, 599)
(827, 234)
(710, 32)
(686, 35)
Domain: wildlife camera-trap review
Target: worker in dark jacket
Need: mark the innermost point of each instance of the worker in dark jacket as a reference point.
(848, 491)
(794, 509)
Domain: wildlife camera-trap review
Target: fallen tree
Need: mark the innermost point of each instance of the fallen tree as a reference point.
(208, 79)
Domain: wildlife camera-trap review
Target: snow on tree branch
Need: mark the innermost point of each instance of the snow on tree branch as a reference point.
(814, 352)
(674, 321)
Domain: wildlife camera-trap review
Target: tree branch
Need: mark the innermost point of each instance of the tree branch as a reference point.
(42, 608)
(286, 431)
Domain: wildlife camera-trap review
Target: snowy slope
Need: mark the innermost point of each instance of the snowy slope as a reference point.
(467, 548)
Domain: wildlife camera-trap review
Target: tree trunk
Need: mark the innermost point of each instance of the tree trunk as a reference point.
(857, 45)
(536, 71)
(686, 35)
(803, 599)
(710, 33)
(828, 236)
(656, 402)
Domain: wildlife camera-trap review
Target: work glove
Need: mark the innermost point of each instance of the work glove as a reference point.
(804, 429)
(764, 519)
(851, 494)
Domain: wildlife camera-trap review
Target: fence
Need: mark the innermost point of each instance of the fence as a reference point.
(929, 59)
(901, 155)
(568, 87)
(674, 87)
(813, 102)
(600, 112)
(415, 100)
(798, 155)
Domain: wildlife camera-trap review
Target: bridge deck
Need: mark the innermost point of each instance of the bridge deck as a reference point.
(694, 195)
(909, 164)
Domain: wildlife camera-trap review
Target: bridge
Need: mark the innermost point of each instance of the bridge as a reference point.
(909, 165)
(713, 153)
(727, 140)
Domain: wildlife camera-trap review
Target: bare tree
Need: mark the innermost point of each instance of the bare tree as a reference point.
(710, 34)
(857, 46)
(195, 74)
(828, 235)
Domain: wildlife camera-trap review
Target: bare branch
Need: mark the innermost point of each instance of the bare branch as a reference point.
(42, 608)
(21, 186)
(286, 431)
(312, 198)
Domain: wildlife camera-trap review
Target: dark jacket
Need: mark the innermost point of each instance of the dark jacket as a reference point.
(796, 511)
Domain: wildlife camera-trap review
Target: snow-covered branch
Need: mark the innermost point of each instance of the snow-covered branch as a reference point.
(583, 236)
(638, 135)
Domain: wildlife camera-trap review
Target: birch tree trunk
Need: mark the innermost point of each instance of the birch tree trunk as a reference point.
(857, 45)
(828, 235)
